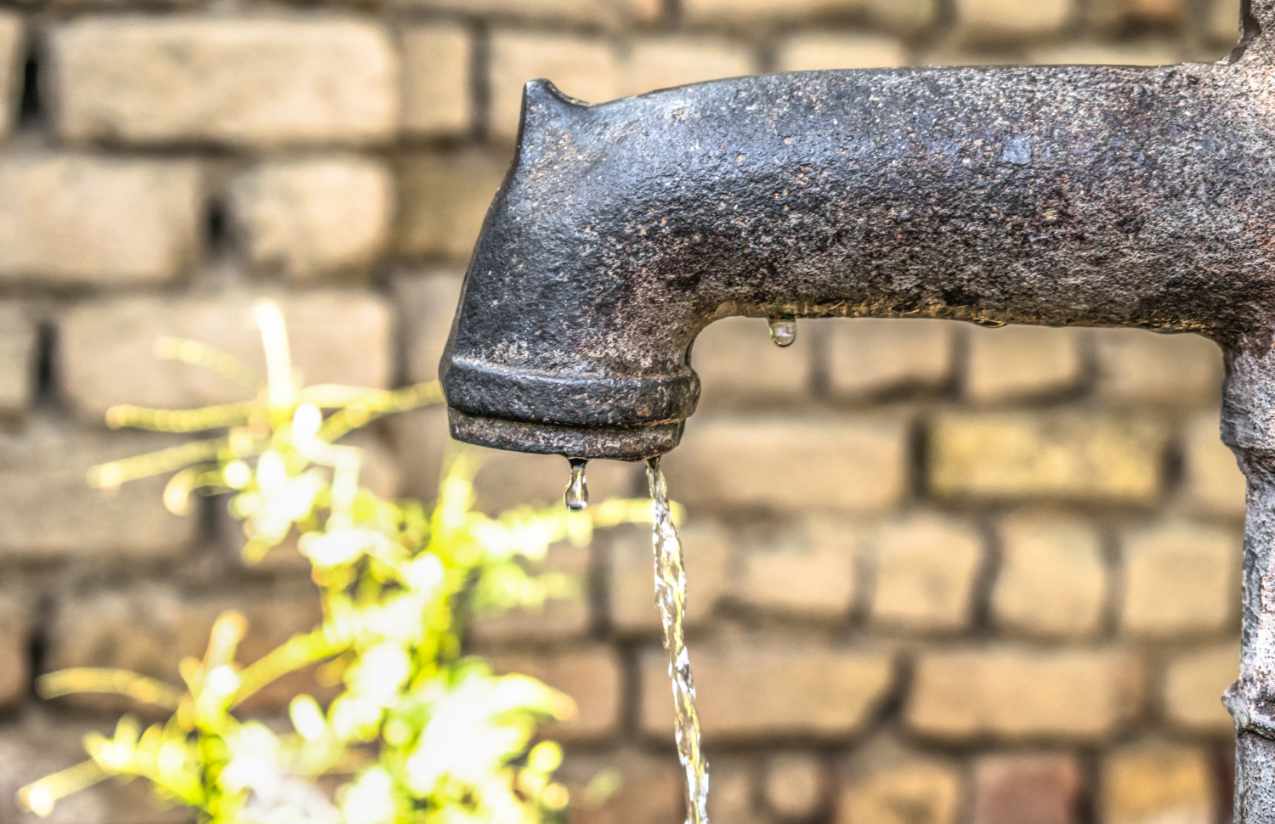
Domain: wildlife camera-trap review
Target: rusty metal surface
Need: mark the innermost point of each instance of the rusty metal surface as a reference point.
(1104, 196)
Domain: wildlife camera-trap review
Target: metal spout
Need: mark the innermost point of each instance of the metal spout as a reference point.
(1090, 195)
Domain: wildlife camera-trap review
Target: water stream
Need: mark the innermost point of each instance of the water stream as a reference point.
(670, 596)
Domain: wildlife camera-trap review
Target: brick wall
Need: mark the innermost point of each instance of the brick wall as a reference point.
(940, 573)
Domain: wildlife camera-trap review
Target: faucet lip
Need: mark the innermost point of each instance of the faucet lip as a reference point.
(612, 443)
(482, 389)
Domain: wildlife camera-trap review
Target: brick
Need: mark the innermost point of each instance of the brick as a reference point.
(1153, 782)
(149, 629)
(1052, 579)
(737, 12)
(1077, 456)
(990, 21)
(582, 67)
(910, 790)
(924, 570)
(1017, 692)
(757, 690)
(426, 303)
(1222, 22)
(559, 618)
(626, 787)
(1142, 367)
(1028, 788)
(312, 217)
(50, 511)
(107, 348)
(840, 462)
(572, 11)
(1213, 484)
(631, 587)
(438, 60)
(264, 81)
(12, 46)
(443, 199)
(591, 675)
(1193, 685)
(1180, 579)
(1129, 53)
(806, 570)
(735, 789)
(18, 352)
(845, 50)
(738, 366)
(72, 219)
(795, 785)
(1120, 14)
(1021, 362)
(15, 631)
(39, 744)
(675, 60)
(903, 16)
(869, 356)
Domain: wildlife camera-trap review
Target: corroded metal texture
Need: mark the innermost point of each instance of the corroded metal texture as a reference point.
(1061, 196)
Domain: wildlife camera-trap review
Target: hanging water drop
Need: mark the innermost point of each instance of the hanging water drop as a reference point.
(990, 323)
(576, 495)
(783, 331)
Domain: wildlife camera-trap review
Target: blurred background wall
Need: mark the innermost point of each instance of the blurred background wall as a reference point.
(939, 573)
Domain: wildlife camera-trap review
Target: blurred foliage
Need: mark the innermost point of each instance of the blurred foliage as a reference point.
(416, 731)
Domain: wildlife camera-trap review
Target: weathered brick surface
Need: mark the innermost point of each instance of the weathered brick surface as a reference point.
(625, 787)
(584, 68)
(739, 366)
(845, 462)
(1052, 579)
(1193, 685)
(795, 785)
(107, 348)
(592, 675)
(149, 630)
(556, 10)
(903, 791)
(765, 688)
(630, 582)
(17, 357)
(1180, 579)
(1222, 23)
(904, 16)
(735, 795)
(1150, 53)
(1020, 361)
(1116, 13)
(868, 356)
(559, 618)
(12, 41)
(426, 303)
(1138, 366)
(1076, 456)
(1031, 788)
(76, 219)
(437, 78)
(665, 61)
(1007, 20)
(311, 217)
(49, 510)
(807, 570)
(808, 52)
(1158, 782)
(923, 570)
(1213, 481)
(264, 81)
(764, 11)
(15, 629)
(1015, 693)
(443, 198)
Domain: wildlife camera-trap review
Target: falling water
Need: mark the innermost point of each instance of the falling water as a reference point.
(783, 331)
(670, 596)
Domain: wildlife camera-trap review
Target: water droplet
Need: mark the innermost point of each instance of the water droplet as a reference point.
(989, 323)
(783, 331)
(576, 495)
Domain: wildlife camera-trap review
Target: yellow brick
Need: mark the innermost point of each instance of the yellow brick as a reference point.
(1020, 361)
(909, 790)
(1180, 579)
(1150, 783)
(437, 77)
(675, 60)
(847, 50)
(1052, 579)
(1193, 685)
(1214, 483)
(924, 570)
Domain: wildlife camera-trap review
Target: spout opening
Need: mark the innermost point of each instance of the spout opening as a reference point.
(593, 443)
